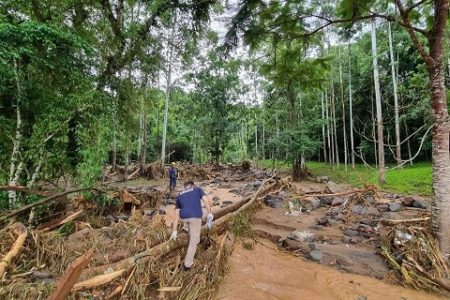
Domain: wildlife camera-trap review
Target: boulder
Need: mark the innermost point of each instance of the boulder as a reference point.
(420, 204)
(323, 221)
(295, 245)
(337, 201)
(315, 203)
(394, 207)
(351, 233)
(326, 200)
(383, 207)
(316, 255)
(301, 236)
(273, 201)
(333, 187)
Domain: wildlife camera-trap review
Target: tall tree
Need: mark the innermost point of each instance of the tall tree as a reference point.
(398, 149)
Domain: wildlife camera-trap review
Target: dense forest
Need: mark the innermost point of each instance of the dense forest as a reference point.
(88, 84)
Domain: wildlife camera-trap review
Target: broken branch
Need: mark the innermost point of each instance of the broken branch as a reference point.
(22, 232)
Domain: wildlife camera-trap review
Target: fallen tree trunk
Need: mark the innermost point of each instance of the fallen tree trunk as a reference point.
(183, 240)
(396, 222)
(62, 222)
(43, 201)
(99, 280)
(23, 189)
(21, 231)
(71, 276)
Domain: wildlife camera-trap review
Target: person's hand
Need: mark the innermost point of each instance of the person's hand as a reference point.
(209, 220)
(173, 236)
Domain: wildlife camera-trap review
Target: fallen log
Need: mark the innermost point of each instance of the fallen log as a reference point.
(338, 194)
(21, 231)
(64, 221)
(98, 280)
(183, 240)
(23, 189)
(43, 201)
(71, 276)
(405, 221)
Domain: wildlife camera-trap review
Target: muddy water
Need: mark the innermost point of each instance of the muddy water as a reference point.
(265, 273)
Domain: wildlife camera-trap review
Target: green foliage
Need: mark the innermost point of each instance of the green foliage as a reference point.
(67, 229)
(240, 225)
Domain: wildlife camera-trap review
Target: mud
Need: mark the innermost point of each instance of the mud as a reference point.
(266, 273)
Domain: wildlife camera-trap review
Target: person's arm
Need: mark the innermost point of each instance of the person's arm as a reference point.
(176, 219)
(207, 204)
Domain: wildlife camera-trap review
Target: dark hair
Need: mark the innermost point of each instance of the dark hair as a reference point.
(188, 183)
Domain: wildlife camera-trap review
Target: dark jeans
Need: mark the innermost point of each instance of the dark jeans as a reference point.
(173, 183)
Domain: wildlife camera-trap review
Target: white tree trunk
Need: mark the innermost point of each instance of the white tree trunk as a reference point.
(324, 138)
(15, 167)
(344, 127)
(168, 86)
(333, 113)
(329, 143)
(380, 136)
(263, 144)
(350, 98)
(396, 107)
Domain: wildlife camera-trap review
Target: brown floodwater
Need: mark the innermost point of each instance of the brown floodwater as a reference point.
(266, 273)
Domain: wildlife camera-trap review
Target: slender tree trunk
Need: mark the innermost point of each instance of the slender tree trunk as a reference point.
(263, 139)
(15, 166)
(398, 150)
(325, 158)
(329, 144)
(344, 129)
(380, 136)
(333, 113)
(168, 87)
(374, 130)
(256, 138)
(350, 98)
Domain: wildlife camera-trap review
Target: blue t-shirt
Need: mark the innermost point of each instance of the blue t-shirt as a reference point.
(173, 173)
(189, 203)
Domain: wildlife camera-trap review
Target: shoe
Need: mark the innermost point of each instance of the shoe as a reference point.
(185, 269)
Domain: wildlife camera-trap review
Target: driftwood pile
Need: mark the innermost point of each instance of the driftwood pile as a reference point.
(131, 259)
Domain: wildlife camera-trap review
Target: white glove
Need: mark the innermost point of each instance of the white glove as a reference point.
(173, 236)
(209, 220)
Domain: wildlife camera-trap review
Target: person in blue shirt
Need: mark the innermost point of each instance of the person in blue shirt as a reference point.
(173, 175)
(188, 208)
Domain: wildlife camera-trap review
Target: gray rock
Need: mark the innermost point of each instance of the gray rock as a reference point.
(256, 184)
(315, 203)
(235, 191)
(300, 236)
(395, 207)
(273, 201)
(333, 187)
(323, 221)
(361, 297)
(359, 210)
(316, 255)
(420, 204)
(383, 207)
(326, 200)
(369, 222)
(337, 201)
(316, 227)
(350, 232)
